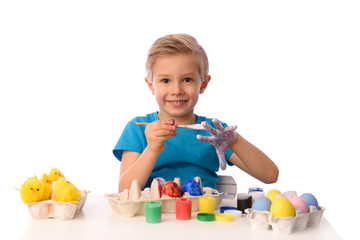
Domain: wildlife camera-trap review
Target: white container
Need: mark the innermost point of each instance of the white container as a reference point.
(260, 220)
(315, 216)
(127, 205)
(283, 225)
(301, 220)
(57, 210)
(263, 220)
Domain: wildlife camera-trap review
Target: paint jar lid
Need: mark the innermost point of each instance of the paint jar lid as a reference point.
(256, 189)
(224, 208)
(206, 217)
(224, 217)
(236, 213)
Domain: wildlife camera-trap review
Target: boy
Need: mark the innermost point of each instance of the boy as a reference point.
(177, 72)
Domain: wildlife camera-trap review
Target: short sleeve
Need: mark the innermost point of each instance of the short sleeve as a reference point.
(132, 139)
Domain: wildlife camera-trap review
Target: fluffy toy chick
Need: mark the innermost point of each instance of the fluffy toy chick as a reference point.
(32, 190)
(47, 186)
(55, 174)
(65, 191)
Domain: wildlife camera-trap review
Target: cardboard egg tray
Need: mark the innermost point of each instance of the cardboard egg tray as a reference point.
(131, 202)
(57, 210)
(263, 220)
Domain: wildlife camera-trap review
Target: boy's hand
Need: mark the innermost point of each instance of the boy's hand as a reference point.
(221, 138)
(157, 132)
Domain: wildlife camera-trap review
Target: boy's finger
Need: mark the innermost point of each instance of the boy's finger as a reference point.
(230, 128)
(222, 160)
(169, 127)
(218, 124)
(208, 128)
(170, 122)
(203, 138)
(166, 131)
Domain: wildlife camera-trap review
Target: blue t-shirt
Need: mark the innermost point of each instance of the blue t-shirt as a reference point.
(184, 155)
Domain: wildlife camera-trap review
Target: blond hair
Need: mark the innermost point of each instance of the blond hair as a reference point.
(177, 43)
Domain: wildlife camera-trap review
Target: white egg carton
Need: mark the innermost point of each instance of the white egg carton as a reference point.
(57, 210)
(131, 202)
(263, 220)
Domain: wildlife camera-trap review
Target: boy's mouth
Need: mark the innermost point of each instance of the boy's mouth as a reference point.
(177, 102)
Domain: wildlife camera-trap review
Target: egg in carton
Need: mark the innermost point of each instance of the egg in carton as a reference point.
(131, 202)
(266, 219)
(57, 210)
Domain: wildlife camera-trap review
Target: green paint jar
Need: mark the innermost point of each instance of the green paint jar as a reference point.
(153, 212)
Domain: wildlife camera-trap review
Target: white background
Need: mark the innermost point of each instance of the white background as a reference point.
(285, 72)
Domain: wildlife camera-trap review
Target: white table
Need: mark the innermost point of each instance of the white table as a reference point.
(98, 221)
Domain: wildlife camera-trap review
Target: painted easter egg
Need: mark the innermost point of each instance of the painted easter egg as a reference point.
(192, 187)
(282, 207)
(310, 200)
(171, 189)
(299, 204)
(289, 194)
(161, 180)
(272, 194)
(262, 204)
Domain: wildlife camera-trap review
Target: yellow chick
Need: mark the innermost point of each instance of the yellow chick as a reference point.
(65, 191)
(32, 190)
(47, 186)
(55, 174)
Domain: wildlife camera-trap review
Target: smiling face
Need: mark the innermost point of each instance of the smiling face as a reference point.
(176, 84)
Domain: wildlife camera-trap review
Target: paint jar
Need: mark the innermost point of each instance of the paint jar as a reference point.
(256, 192)
(183, 208)
(244, 201)
(256, 195)
(206, 205)
(153, 212)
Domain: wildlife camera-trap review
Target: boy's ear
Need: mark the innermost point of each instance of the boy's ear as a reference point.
(150, 85)
(205, 83)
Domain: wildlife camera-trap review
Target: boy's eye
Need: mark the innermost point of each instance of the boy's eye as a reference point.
(165, 80)
(187, 79)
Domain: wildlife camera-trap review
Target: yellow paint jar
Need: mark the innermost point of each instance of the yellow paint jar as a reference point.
(206, 205)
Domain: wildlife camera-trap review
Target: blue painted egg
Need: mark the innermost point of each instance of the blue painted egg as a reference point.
(262, 204)
(310, 200)
(192, 187)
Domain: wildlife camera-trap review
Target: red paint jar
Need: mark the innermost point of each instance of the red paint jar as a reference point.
(183, 208)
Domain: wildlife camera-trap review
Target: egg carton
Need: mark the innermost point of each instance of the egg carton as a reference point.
(263, 220)
(131, 202)
(57, 210)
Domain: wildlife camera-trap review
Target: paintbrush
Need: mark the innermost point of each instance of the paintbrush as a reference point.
(188, 126)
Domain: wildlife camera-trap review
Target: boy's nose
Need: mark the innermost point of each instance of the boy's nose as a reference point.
(177, 89)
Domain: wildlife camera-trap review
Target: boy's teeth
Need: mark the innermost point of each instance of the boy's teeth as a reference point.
(177, 102)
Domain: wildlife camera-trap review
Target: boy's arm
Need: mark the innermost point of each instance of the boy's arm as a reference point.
(139, 166)
(136, 166)
(253, 161)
